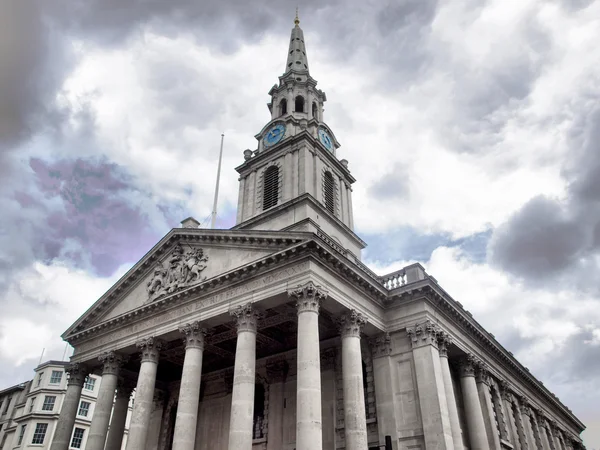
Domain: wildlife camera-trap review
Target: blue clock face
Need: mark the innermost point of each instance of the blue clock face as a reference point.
(325, 139)
(274, 135)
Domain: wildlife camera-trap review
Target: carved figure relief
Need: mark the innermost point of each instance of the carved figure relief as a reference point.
(183, 269)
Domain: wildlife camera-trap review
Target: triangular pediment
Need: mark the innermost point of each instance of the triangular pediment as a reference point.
(182, 259)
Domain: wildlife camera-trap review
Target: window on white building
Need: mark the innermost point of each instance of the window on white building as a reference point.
(5, 410)
(84, 409)
(56, 377)
(40, 433)
(89, 384)
(49, 401)
(40, 376)
(22, 434)
(32, 404)
(77, 438)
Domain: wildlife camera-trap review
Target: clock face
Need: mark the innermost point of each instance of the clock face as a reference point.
(274, 135)
(325, 139)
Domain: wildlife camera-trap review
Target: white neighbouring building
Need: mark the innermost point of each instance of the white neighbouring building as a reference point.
(273, 335)
(30, 410)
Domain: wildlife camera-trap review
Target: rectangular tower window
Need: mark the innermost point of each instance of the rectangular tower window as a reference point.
(89, 384)
(56, 377)
(49, 401)
(84, 409)
(21, 434)
(32, 404)
(77, 438)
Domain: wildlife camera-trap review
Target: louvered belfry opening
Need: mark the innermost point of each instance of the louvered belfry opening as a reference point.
(271, 187)
(329, 191)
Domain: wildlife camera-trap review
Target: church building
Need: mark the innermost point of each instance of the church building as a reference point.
(273, 335)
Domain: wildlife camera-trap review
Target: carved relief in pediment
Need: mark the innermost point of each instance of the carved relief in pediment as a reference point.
(180, 270)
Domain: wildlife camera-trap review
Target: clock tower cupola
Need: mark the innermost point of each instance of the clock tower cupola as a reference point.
(294, 180)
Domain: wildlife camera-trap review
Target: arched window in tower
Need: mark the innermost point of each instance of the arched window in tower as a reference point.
(315, 111)
(270, 187)
(299, 104)
(329, 192)
(283, 107)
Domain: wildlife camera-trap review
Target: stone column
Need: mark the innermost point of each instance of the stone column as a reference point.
(444, 342)
(184, 437)
(66, 420)
(242, 395)
(523, 438)
(500, 412)
(554, 433)
(355, 416)
(538, 430)
(526, 416)
(144, 394)
(308, 394)
(483, 381)
(277, 372)
(381, 349)
(119, 416)
(430, 384)
(111, 363)
(473, 411)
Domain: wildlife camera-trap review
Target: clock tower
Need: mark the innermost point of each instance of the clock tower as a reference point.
(294, 179)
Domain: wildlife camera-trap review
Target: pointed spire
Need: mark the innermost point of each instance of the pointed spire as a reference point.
(297, 60)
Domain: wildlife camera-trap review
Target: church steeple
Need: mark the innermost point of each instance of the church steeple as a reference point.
(294, 180)
(297, 60)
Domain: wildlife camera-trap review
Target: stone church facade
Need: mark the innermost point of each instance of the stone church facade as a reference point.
(273, 335)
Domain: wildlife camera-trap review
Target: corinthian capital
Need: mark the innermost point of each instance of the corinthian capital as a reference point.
(444, 341)
(467, 365)
(351, 324)
(150, 349)
(193, 335)
(424, 333)
(246, 318)
(381, 345)
(111, 362)
(482, 374)
(308, 297)
(77, 374)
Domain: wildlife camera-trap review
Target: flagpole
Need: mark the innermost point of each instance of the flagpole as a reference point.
(214, 210)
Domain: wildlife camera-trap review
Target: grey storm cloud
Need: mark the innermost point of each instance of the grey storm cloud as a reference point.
(551, 238)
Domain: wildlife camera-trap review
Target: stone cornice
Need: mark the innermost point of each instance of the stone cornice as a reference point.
(191, 235)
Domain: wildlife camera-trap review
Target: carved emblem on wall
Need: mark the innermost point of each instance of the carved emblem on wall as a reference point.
(181, 269)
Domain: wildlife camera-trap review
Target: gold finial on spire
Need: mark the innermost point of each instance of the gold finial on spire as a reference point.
(297, 20)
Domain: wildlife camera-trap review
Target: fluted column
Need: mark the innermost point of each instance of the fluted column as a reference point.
(242, 395)
(144, 394)
(554, 435)
(521, 426)
(355, 417)
(66, 420)
(119, 415)
(483, 381)
(500, 413)
(473, 410)
(430, 384)
(111, 363)
(308, 388)
(444, 342)
(537, 433)
(184, 437)
(526, 415)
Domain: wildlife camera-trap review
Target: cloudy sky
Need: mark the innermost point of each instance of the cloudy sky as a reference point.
(472, 127)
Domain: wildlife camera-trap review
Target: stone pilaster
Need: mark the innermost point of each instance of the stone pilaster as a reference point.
(526, 415)
(538, 430)
(473, 410)
(244, 372)
(500, 413)
(507, 400)
(483, 381)
(308, 396)
(381, 349)
(430, 383)
(144, 393)
(184, 437)
(277, 372)
(523, 438)
(355, 418)
(64, 427)
(117, 422)
(444, 341)
(111, 363)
